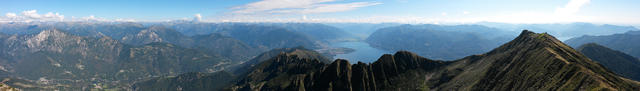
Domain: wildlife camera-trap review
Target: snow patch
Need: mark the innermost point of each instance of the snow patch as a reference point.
(80, 66)
(67, 72)
(3, 69)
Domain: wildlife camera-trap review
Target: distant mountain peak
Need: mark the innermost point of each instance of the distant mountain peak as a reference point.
(539, 36)
(43, 35)
(529, 39)
(50, 37)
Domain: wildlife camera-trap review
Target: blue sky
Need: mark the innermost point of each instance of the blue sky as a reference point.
(406, 11)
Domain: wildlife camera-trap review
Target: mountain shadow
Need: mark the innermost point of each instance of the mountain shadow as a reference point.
(618, 62)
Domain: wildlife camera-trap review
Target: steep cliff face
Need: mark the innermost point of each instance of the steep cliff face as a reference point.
(283, 72)
(532, 61)
(389, 73)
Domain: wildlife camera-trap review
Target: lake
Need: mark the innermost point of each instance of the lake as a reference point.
(363, 52)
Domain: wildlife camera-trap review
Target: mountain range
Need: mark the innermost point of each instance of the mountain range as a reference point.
(236, 41)
(439, 41)
(54, 56)
(101, 55)
(289, 71)
(565, 31)
(624, 42)
(532, 61)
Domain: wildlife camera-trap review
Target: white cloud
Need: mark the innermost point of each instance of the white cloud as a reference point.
(266, 5)
(531, 17)
(11, 15)
(327, 8)
(572, 7)
(352, 19)
(197, 18)
(55, 16)
(124, 20)
(92, 18)
(563, 14)
(304, 17)
(32, 15)
(298, 6)
(50, 16)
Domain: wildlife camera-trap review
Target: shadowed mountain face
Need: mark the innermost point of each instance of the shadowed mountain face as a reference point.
(626, 42)
(299, 51)
(531, 61)
(618, 62)
(55, 57)
(439, 41)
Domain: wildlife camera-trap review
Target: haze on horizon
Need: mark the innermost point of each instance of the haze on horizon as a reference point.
(620, 12)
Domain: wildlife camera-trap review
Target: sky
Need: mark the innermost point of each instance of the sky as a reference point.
(623, 12)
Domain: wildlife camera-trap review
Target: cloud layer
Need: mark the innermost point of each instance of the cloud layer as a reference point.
(572, 7)
(32, 15)
(298, 6)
